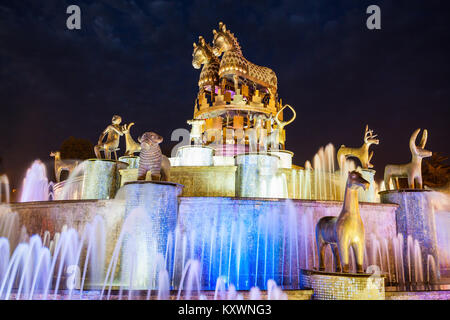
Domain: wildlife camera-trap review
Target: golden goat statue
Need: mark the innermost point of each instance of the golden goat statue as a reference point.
(362, 153)
(344, 231)
(131, 146)
(412, 170)
(63, 165)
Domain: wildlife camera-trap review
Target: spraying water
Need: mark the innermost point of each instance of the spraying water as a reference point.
(35, 186)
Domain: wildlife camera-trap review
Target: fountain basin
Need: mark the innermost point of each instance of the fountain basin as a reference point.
(257, 177)
(195, 156)
(101, 178)
(343, 286)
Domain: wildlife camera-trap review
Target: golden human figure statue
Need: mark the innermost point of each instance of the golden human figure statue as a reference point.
(278, 136)
(344, 231)
(112, 133)
(234, 65)
(362, 153)
(412, 170)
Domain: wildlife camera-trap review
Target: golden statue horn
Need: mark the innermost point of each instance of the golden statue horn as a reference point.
(285, 123)
(412, 141)
(195, 45)
(214, 31)
(423, 141)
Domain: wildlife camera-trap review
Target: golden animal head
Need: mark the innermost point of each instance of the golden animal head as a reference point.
(150, 138)
(55, 154)
(116, 119)
(369, 137)
(223, 40)
(419, 150)
(203, 53)
(356, 180)
(126, 128)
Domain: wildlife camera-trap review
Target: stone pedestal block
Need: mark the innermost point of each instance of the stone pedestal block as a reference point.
(415, 219)
(101, 178)
(257, 176)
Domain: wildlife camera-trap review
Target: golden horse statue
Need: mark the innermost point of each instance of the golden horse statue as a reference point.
(362, 153)
(233, 64)
(278, 136)
(412, 170)
(344, 231)
(209, 76)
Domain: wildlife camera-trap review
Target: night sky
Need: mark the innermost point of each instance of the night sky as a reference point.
(133, 58)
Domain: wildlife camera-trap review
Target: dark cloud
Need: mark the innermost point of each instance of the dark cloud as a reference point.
(134, 58)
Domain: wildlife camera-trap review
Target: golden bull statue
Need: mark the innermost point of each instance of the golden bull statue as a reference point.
(344, 231)
(412, 170)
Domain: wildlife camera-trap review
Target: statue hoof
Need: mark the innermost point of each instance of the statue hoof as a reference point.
(359, 269)
(346, 268)
(321, 268)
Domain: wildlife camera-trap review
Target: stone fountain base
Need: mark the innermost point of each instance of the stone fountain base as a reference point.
(343, 286)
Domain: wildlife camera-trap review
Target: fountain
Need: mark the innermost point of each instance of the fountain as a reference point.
(36, 186)
(236, 220)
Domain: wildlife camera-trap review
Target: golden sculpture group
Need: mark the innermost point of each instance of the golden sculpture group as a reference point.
(237, 100)
(238, 104)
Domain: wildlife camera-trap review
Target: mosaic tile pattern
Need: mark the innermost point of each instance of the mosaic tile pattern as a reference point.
(338, 286)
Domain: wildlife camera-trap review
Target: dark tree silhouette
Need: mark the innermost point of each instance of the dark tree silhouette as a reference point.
(436, 171)
(77, 148)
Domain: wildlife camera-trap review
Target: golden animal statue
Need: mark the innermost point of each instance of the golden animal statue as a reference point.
(362, 153)
(233, 64)
(196, 134)
(412, 170)
(278, 136)
(112, 133)
(209, 76)
(131, 146)
(257, 134)
(344, 231)
(61, 165)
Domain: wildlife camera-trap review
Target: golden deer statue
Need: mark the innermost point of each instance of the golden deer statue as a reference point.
(362, 153)
(131, 146)
(61, 165)
(344, 231)
(278, 136)
(412, 170)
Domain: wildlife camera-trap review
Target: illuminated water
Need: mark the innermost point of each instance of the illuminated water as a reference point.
(35, 186)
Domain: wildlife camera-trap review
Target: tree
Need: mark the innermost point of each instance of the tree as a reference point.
(436, 171)
(77, 148)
